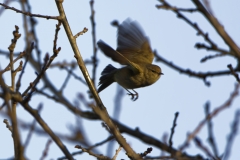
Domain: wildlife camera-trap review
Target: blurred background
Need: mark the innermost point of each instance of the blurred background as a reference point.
(154, 111)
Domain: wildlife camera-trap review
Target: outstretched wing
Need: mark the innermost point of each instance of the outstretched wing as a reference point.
(133, 44)
(116, 56)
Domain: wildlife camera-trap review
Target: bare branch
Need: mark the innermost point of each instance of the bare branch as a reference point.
(203, 148)
(172, 129)
(92, 154)
(99, 109)
(47, 129)
(211, 138)
(94, 57)
(81, 33)
(28, 13)
(210, 116)
(232, 135)
(45, 152)
(191, 73)
(234, 73)
(218, 27)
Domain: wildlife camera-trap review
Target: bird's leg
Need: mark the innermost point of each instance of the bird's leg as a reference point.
(134, 95)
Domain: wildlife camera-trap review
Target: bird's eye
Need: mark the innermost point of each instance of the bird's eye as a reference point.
(153, 71)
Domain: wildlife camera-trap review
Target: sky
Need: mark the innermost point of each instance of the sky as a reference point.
(153, 112)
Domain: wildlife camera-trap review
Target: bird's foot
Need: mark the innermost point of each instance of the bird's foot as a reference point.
(134, 96)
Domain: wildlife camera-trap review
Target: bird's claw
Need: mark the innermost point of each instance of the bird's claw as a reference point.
(134, 96)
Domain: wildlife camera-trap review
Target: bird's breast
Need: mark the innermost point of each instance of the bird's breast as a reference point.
(127, 79)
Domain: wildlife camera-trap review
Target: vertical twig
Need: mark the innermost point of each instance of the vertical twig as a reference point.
(201, 146)
(211, 138)
(45, 152)
(172, 129)
(232, 135)
(18, 85)
(18, 149)
(94, 57)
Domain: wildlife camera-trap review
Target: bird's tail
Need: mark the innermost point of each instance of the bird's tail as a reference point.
(107, 77)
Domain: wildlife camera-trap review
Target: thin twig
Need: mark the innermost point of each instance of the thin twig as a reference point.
(176, 9)
(233, 73)
(45, 152)
(203, 148)
(94, 57)
(232, 135)
(8, 126)
(194, 25)
(218, 27)
(47, 129)
(93, 154)
(18, 85)
(91, 147)
(63, 64)
(211, 138)
(210, 116)
(160, 158)
(211, 57)
(55, 49)
(172, 129)
(18, 149)
(47, 63)
(29, 24)
(20, 55)
(6, 53)
(65, 82)
(74, 75)
(40, 91)
(32, 127)
(211, 48)
(37, 79)
(117, 152)
(28, 13)
(191, 73)
(81, 32)
(145, 153)
(6, 3)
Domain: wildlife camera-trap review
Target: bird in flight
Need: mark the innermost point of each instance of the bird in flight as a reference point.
(133, 51)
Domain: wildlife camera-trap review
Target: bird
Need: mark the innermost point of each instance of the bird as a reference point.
(133, 51)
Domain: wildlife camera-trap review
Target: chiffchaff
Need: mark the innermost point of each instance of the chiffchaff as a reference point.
(134, 51)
